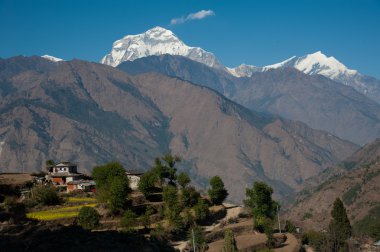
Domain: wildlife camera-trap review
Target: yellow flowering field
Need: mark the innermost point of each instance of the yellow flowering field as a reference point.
(57, 213)
(83, 199)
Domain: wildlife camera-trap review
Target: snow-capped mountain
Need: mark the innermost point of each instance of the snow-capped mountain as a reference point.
(156, 41)
(52, 58)
(319, 63)
(315, 63)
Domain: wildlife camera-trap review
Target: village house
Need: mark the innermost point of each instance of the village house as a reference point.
(81, 185)
(63, 172)
(134, 178)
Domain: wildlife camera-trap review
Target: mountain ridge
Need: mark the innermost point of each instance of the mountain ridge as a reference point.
(91, 113)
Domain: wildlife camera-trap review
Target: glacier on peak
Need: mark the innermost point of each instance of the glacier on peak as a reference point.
(156, 41)
(51, 58)
(315, 63)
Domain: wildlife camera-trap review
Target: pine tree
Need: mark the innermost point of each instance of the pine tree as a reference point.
(339, 228)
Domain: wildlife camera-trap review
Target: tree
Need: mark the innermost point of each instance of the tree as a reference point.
(112, 185)
(147, 183)
(88, 217)
(128, 221)
(189, 196)
(217, 192)
(46, 195)
(201, 211)
(49, 163)
(196, 236)
(164, 167)
(229, 244)
(339, 228)
(172, 207)
(118, 194)
(183, 179)
(259, 199)
(146, 217)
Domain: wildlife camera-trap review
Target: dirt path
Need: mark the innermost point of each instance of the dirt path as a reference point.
(290, 245)
(242, 241)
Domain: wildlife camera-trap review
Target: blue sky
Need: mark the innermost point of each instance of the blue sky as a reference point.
(253, 32)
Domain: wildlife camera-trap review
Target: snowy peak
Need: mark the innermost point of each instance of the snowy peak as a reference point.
(315, 63)
(156, 41)
(52, 58)
(318, 63)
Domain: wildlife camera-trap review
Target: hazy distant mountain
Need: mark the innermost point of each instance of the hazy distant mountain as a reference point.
(91, 113)
(318, 63)
(156, 41)
(316, 100)
(357, 184)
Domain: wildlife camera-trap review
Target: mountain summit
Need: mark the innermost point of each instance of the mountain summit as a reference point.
(156, 41)
(319, 63)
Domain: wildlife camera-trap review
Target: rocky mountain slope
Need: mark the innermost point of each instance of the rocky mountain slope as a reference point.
(90, 114)
(357, 185)
(313, 99)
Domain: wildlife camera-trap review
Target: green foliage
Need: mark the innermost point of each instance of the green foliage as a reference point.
(164, 167)
(88, 217)
(147, 183)
(46, 195)
(128, 221)
(173, 208)
(118, 194)
(369, 225)
(183, 179)
(199, 239)
(229, 243)
(112, 185)
(146, 217)
(217, 192)
(189, 196)
(339, 229)
(201, 211)
(104, 174)
(169, 195)
(350, 195)
(313, 238)
(259, 199)
(290, 227)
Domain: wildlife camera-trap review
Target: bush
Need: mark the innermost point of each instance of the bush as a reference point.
(369, 225)
(88, 217)
(290, 227)
(183, 179)
(46, 195)
(128, 221)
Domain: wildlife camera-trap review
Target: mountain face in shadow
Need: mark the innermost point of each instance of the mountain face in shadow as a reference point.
(313, 99)
(90, 114)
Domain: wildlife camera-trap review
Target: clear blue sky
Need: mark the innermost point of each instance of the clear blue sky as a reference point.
(253, 32)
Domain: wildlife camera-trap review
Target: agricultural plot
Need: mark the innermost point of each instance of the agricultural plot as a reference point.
(57, 213)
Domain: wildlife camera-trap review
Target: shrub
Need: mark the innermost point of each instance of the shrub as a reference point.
(88, 217)
(147, 183)
(128, 221)
(189, 196)
(46, 195)
(183, 179)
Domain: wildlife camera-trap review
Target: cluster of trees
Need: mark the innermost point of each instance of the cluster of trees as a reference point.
(183, 205)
